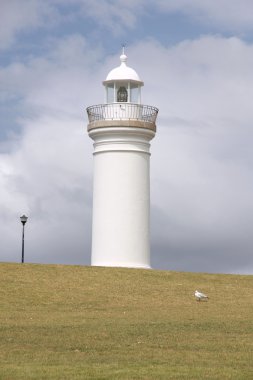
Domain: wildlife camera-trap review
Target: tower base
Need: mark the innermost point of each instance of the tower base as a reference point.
(121, 196)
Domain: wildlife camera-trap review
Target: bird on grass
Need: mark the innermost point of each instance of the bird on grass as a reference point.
(200, 296)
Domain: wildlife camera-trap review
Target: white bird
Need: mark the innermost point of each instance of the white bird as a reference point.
(200, 296)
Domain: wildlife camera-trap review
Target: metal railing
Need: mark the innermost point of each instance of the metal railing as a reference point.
(122, 111)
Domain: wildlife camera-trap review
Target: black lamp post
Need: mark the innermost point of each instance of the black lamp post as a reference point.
(23, 221)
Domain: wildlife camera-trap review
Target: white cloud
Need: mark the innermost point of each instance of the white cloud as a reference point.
(211, 76)
(58, 81)
(18, 16)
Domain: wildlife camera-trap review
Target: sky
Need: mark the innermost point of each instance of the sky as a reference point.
(195, 58)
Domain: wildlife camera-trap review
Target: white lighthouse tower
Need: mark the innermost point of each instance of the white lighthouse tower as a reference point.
(121, 130)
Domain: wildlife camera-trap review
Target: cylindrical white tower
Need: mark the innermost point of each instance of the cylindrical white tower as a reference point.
(121, 129)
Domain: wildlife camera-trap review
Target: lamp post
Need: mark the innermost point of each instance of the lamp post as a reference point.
(23, 221)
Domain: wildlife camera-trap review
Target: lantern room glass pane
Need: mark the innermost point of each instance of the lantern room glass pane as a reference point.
(134, 93)
(110, 94)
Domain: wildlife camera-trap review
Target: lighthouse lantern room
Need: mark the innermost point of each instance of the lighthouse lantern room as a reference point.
(123, 84)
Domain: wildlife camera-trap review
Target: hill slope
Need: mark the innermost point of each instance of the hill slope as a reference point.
(73, 322)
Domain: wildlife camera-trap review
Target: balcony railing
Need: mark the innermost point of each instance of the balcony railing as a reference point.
(122, 111)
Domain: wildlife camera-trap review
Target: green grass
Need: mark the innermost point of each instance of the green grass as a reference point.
(72, 322)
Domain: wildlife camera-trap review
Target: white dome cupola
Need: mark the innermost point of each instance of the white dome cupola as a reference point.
(123, 84)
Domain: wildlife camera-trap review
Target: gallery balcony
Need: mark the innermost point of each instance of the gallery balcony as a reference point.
(122, 114)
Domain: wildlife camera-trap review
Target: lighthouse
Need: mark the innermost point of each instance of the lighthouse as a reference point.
(121, 129)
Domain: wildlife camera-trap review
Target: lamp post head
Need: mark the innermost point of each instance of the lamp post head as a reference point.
(23, 219)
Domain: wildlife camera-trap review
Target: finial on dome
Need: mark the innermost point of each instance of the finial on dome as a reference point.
(123, 57)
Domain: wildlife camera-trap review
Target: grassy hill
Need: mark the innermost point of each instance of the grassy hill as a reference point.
(73, 322)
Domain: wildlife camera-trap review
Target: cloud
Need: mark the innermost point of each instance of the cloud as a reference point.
(202, 199)
(21, 16)
(49, 178)
(201, 157)
(113, 15)
(58, 81)
(204, 137)
(229, 15)
(201, 164)
(119, 15)
(47, 170)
